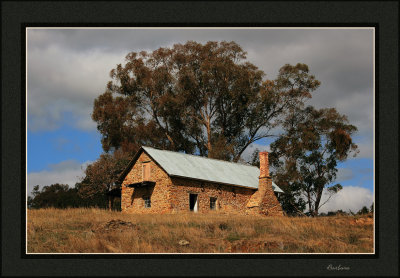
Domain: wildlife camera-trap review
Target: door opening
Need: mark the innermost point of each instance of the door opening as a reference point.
(193, 202)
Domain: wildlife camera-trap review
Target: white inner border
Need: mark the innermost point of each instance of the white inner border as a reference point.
(193, 28)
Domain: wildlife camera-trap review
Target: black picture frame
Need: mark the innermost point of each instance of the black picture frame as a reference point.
(16, 16)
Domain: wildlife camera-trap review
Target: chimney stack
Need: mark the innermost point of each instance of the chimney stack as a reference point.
(264, 165)
(264, 201)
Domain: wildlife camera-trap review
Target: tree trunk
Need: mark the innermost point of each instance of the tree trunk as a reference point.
(170, 140)
(110, 201)
(309, 203)
(318, 201)
(209, 145)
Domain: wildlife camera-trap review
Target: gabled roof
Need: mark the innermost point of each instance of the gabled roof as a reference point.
(177, 164)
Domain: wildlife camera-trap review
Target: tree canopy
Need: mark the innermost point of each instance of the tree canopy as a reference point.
(62, 196)
(101, 175)
(196, 98)
(306, 154)
(210, 100)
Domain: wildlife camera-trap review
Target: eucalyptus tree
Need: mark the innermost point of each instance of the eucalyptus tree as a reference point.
(196, 98)
(307, 153)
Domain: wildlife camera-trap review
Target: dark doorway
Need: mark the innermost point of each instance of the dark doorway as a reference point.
(193, 202)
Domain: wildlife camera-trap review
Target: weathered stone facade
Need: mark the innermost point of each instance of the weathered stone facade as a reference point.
(172, 194)
(132, 198)
(264, 200)
(230, 198)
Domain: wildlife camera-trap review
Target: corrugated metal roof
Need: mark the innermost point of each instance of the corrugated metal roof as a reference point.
(202, 168)
(276, 188)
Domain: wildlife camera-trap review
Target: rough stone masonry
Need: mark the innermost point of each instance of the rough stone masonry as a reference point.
(160, 193)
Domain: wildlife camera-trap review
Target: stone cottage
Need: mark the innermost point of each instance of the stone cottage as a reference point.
(159, 181)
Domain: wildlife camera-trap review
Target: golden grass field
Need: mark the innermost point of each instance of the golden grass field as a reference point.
(101, 231)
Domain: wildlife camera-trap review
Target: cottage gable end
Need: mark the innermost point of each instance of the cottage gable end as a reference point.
(145, 187)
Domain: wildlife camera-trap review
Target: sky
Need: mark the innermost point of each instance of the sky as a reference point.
(68, 68)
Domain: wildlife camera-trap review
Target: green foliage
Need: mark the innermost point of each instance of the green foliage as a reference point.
(255, 159)
(364, 210)
(338, 212)
(102, 175)
(61, 196)
(307, 152)
(290, 201)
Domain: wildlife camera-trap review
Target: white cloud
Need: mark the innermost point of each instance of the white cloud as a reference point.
(62, 86)
(349, 198)
(66, 172)
(68, 69)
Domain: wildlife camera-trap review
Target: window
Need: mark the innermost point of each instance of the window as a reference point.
(213, 203)
(146, 171)
(147, 202)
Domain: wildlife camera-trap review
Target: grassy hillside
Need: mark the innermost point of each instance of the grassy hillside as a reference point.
(101, 231)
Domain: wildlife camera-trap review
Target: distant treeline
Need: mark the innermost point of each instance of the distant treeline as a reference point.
(363, 210)
(62, 196)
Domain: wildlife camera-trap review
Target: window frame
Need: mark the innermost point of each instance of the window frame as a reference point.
(147, 201)
(213, 200)
(146, 165)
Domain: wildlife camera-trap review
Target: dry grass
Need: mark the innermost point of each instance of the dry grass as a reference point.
(101, 231)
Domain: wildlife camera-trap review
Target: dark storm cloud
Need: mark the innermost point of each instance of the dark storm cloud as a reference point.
(68, 68)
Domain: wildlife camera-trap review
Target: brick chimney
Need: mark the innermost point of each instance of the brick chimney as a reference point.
(264, 165)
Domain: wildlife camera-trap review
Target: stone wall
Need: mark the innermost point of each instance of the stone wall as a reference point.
(264, 201)
(132, 198)
(269, 204)
(230, 199)
(171, 194)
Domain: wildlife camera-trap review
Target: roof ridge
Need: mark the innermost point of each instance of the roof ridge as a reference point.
(198, 156)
